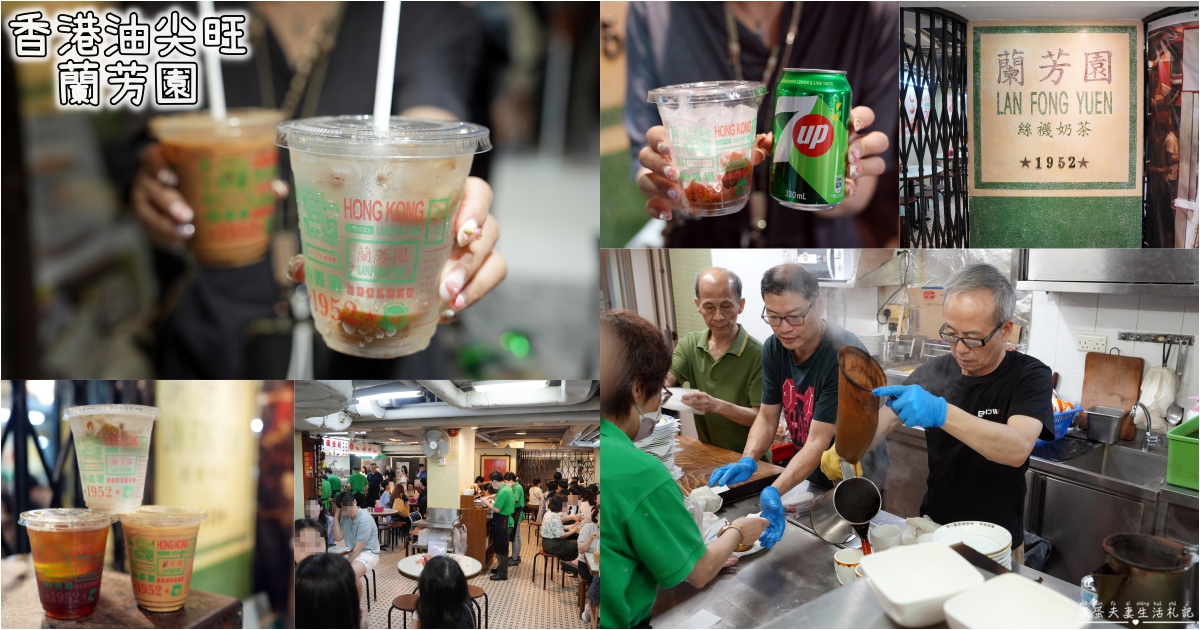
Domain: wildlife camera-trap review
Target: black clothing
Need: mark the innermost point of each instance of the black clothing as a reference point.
(964, 485)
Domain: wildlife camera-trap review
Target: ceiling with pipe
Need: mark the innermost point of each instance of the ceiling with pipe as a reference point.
(529, 414)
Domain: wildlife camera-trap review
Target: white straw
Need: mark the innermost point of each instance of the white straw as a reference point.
(387, 63)
(212, 69)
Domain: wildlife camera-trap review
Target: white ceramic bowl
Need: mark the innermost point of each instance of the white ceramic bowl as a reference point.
(912, 582)
(1013, 601)
(986, 538)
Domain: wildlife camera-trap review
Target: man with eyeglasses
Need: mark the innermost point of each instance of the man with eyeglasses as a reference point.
(800, 380)
(982, 408)
(723, 361)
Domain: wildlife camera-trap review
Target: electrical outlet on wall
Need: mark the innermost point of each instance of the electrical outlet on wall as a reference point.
(1092, 343)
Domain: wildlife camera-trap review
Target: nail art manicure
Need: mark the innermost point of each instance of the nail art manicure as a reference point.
(663, 148)
(452, 285)
(449, 313)
(855, 171)
(469, 231)
(673, 193)
(671, 173)
(853, 191)
(167, 177)
(181, 212)
(460, 302)
(187, 230)
(855, 154)
(666, 216)
(857, 124)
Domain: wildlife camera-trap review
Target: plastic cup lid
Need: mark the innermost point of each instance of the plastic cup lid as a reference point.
(63, 519)
(707, 92)
(405, 137)
(201, 125)
(164, 516)
(111, 410)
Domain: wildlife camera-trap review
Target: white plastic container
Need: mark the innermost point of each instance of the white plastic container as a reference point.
(1013, 601)
(912, 582)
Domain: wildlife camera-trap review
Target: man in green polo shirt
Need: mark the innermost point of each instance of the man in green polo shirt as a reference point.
(724, 362)
(325, 491)
(518, 503)
(502, 505)
(358, 487)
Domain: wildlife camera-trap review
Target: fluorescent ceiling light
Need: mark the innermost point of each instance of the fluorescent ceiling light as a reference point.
(504, 386)
(411, 393)
(335, 433)
(520, 432)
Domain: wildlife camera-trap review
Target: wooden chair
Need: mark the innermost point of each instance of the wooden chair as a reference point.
(405, 604)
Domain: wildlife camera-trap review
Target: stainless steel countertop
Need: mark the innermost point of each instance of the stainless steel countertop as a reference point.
(854, 606)
(762, 586)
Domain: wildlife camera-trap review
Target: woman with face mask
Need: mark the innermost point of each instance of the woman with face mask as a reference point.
(649, 537)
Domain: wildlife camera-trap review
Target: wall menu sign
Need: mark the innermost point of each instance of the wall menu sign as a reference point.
(342, 447)
(1057, 108)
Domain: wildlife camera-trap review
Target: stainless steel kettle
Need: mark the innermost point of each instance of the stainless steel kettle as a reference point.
(1147, 569)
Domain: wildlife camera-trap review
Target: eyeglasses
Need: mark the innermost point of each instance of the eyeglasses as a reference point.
(792, 320)
(664, 396)
(969, 342)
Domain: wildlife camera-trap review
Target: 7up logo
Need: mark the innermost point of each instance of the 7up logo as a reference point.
(812, 135)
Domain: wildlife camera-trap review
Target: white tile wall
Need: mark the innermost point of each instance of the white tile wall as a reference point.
(1059, 318)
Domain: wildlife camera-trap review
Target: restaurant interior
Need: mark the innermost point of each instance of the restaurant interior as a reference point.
(459, 431)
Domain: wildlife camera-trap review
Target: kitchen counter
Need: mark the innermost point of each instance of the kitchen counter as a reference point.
(760, 587)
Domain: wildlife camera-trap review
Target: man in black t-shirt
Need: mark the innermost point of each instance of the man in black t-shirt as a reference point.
(982, 408)
(374, 483)
(800, 380)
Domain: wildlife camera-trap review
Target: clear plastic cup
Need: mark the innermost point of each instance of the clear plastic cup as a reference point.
(225, 169)
(711, 128)
(112, 445)
(160, 542)
(377, 211)
(67, 545)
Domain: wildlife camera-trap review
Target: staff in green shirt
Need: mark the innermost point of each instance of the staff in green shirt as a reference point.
(518, 504)
(325, 493)
(358, 487)
(724, 362)
(502, 505)
(649, 540)
(335, 484)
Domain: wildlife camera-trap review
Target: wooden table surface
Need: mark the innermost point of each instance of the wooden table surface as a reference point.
(698, 460)
(117, 607)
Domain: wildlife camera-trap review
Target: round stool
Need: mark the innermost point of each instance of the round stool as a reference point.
(475, 592)
(404, 603)
(546, 566)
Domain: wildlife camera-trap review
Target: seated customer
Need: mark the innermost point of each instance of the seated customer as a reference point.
(589, 542)
(443, 601)
(555, 535)
(357, 529)
(327, 594)
(310, 539)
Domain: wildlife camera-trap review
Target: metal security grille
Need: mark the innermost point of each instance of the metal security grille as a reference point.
(933, 129)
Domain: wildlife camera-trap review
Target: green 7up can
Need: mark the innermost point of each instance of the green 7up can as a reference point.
(808, 168)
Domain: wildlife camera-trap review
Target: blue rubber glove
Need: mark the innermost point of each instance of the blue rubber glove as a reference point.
(772, 510)
(733, 473)
(915, 406)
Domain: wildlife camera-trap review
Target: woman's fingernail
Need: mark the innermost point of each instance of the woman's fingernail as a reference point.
(663, 148)
(857, 124)
(449, 313)
(167, 177)
(666, 216)
(855, 171)
(452, 285)
(187, 230)
(280, 187)
(673, 193)
(460, 302)
(181, 212)
(853, 191)
(469, 231)
(671, 173)
(855, 154)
